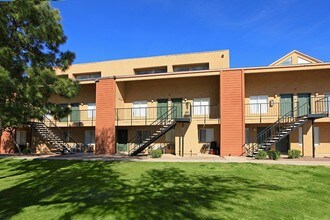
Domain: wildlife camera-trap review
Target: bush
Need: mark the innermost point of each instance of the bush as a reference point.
(157, 153)
(260, 155)
(26, 151)
(274, 154)
(294, 154)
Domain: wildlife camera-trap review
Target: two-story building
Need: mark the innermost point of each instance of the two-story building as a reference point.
(188, 104)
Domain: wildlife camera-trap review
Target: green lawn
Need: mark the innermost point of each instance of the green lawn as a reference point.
(49, 189)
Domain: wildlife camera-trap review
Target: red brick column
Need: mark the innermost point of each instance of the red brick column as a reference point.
(105, 116)
(232, 112)
(6, 143)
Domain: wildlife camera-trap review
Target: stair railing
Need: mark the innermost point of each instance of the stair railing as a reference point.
(161, 120)
(322, 106)
(274, 129)
(48, 120)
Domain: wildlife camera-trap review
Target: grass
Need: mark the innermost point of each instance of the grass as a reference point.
(54, 189)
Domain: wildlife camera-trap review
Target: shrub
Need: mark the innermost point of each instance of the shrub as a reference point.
(157, 153)
(294, 154)
(274, 154)
(261, 154)
(26, 151)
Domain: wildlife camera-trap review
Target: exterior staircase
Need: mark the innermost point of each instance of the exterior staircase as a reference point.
(285, 125)
(157, 129)
(51, 139)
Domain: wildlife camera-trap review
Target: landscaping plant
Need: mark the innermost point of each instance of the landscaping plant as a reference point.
(294, 154)
(274, 154)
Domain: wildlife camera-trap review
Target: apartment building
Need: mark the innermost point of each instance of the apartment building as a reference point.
(189, 104)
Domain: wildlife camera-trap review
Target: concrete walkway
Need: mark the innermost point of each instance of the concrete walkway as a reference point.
(173, 158)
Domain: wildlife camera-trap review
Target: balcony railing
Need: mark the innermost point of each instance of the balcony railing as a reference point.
(77, 118)
(277, 110)
(144, 116)
(205, 112)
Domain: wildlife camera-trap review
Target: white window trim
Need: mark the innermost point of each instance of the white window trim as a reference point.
(201, 106)
(91, 110)
(259, 104)
(140, 108)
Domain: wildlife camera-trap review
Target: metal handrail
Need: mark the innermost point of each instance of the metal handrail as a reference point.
(61, 131)
(271, 130)
(159, 121)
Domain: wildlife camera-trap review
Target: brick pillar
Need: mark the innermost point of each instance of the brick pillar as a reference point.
(6, 143)
(232, 112)
(105, 116)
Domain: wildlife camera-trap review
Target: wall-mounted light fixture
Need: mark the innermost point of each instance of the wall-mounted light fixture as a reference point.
(82, 103)
(316, 94)
(275, 96)
(152, 101)
(185, 99)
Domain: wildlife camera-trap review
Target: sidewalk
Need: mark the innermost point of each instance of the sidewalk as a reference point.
(173, 158)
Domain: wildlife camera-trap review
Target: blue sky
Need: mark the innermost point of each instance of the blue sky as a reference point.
(256, 32)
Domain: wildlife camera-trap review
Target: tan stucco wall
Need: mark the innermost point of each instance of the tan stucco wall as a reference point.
(274, 84)
(86, 95)
(188, 132)
(190, 88)
(295, 55)
(216, 59)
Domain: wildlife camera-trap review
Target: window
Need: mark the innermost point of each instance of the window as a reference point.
(206, 135)
(191, 67)
(201, 106)
(21, 137)
(302, 61)
(67, 135)
(247, 135)
(141, 135)
(300, 136)
(153, 70)
(258, 104)
(91, 110)
(286, 62)
(170, 136)
(316, 136)
(89, 137)
(87, 76)
(140, 108)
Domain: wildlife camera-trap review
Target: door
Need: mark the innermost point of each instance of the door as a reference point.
(177, 103)
(283, 145)
(122, 138)
(161, 107)
(304, 103)
(286, 104)
(75, 112)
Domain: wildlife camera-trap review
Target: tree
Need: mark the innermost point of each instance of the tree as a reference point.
(30, 38)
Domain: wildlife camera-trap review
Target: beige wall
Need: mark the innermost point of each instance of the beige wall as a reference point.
(216, 59)
(86, 95)
(274, 84)
(190, 88)
(188, 132)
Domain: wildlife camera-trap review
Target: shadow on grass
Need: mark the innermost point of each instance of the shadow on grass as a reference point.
(97, 189)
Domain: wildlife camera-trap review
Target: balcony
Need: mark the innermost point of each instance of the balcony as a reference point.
(145, 116)
(270, 112)
(77, 118)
